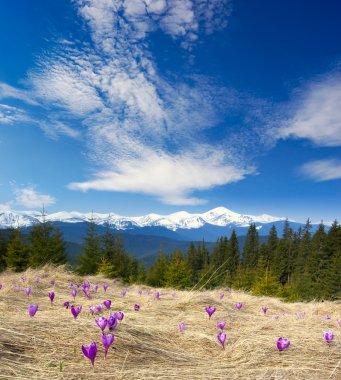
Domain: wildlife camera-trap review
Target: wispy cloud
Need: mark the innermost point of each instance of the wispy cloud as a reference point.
(7, 91)
(170, 178)
(145, 133)
(6, 206)
(11, 115)
(316, 113)
(322, 170)
(29, 197)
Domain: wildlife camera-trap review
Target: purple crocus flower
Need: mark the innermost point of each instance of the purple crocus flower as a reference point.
(328, 336)
(105, 287)
(210, 310)
(70, 284)
(32, 309)
(99, 307)
(239, 305)
(92, 309)
(119, 315)
(339, 322)
(37, 279)
(107, 304)
(76, 310)
(66, 304)
(123, 292)
(221, 325)
(90, 352)
(95, 288)
(139, 292)
(73, 293)
(52, 282)
(157, 295)
(112, 323)
(282, 343)
(327, 317)
(182, 326)
(221, 296)
(136, 307)
(0, 286)
(264, 309)
(148, 292)
(222, 338)
(275, 317)
(86, 284)
(101, 322)
(51, 296)
(107, 341)
(27, 291)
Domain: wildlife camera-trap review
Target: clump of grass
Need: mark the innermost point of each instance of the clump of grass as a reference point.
(148, 343)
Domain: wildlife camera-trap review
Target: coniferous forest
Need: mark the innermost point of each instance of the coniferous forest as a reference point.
(295, 266)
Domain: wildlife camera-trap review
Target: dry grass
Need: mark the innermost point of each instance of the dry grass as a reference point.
(148, 344)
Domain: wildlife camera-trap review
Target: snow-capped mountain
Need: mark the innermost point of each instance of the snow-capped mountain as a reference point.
(220, 217)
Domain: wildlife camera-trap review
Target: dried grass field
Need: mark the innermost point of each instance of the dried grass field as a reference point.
(148, 343)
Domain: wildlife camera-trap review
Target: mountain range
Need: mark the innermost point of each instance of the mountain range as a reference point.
(180, 225)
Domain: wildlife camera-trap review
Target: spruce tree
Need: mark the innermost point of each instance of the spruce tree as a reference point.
(41, 250)
(57, 247)
(318, 263)
(234, 254)
(3, 250)
(331, 275)
(17, 256)
(156, 274)
(283, 258)
(251, 248)
(90, 259)
(265, 283)
(271, 245)
(120, 260)
(177, 275)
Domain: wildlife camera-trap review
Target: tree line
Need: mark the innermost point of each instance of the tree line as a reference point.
(296, 266)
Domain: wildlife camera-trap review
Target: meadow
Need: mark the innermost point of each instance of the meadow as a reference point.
(148, 343)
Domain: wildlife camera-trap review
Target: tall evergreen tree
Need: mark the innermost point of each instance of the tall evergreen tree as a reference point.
(156, 274)
(234, 254)
(17, 256)
(265, 283)
(57, 247)
(3, 250)
(271, 246)
(332, 270)
(120, 260)
(41, 250)
(283, 257)
(178, 275)
(90, 259)
(318, 263)
(251, 248)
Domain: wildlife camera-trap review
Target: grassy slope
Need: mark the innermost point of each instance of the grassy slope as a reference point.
(148, 344)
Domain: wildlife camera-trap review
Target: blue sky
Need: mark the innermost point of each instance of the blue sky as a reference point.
(132, 106)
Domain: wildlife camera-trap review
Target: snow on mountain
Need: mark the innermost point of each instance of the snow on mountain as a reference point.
(219, 216)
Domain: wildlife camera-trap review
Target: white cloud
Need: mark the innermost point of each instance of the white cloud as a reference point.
(170, 178)
(6, 206)
(144, 132)
(29, 197)
(11, 115)
(180, 19)
(322, 170)
(7, 91)
(317, 114)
